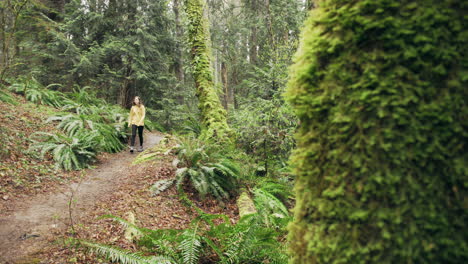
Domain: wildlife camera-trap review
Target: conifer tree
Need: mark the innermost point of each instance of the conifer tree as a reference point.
(380, 88)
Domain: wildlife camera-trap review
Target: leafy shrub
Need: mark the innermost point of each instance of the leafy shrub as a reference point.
(69, 153)
(206, 169)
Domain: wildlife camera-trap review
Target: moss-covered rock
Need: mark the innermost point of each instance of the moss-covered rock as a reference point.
(214, 120)
(380, 87)
(245, 204)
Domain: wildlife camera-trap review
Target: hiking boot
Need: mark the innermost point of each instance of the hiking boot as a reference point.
(140, 149)
(131, 149)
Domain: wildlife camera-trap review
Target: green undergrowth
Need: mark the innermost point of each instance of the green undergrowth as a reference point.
(212, 172)
(20, 170)
(256, 238)
(88, 125)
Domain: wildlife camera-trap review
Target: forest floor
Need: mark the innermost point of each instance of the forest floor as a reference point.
(35, 230)
(35, 225)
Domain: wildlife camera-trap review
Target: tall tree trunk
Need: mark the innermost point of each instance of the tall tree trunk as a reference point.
(224, 78)
(8, 33)
(270, 24)
(310, 4)
(213, 115)
(382, 160)
(178, 65)
(125, 90)
(253, 45)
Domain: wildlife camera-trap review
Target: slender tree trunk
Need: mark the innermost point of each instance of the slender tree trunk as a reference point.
(8, 37)
(310, 4)
(125, 89)
(253, 53)
(270, 24)
(178, 65)
(224, 78)
(213, 115)
(3, 35)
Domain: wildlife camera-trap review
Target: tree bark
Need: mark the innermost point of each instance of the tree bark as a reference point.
(125, 89)
(310, 4)
(224, 78)
(213, 115)
(9, 37)
(178, 64)
(381, 165)
(253, 52)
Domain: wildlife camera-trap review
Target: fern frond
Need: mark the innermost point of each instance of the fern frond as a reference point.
(123, 256)
(190, 246)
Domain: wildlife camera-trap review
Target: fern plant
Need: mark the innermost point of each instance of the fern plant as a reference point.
(85, 96)
(17, 88)
(72, 123)
(190, 246)
(272, 211)
(109, 137)
(7, 98)
(69, 153)
(192, 125)
(34, 92)
(248, 241)
(122, 256)
(208, 171)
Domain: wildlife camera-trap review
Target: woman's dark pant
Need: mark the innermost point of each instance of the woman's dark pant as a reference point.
(140, 134)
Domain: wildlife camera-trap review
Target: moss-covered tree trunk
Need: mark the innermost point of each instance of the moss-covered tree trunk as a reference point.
(214, 121)
(381, 90)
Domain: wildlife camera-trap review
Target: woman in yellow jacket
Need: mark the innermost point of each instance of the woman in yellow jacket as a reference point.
(137, 121)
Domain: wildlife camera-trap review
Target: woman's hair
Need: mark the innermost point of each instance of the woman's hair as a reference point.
(139, 98)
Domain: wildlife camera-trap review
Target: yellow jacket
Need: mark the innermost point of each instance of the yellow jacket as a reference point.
(137, 116)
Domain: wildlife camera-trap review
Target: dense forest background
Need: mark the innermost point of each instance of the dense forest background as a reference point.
(119, 49)
(211, 75)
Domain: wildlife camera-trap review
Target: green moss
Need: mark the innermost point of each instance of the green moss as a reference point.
(214, 120)
(380, 88)
(159, 151)
(245, 204)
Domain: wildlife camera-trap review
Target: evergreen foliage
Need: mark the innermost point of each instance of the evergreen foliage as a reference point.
(381, 165)
(264, 130)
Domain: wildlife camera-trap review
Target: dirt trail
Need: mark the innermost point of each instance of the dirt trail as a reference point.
(35, 222)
